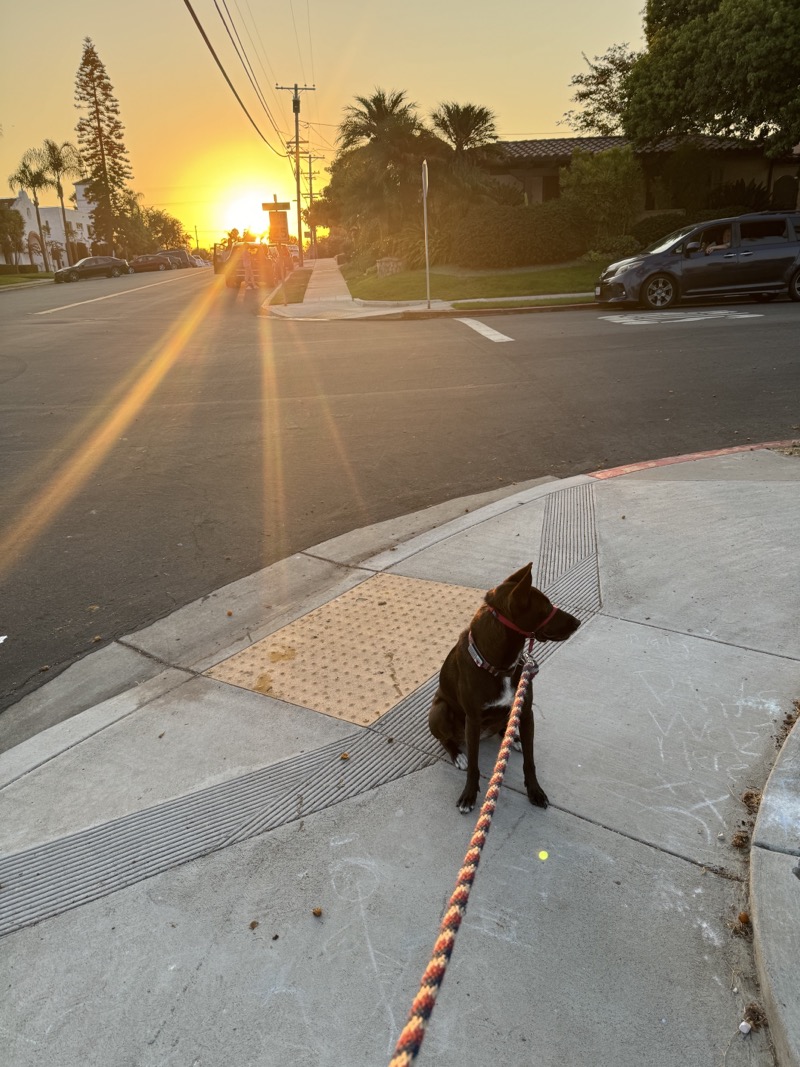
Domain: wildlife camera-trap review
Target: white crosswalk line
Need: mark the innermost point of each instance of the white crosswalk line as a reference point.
(660, 318)
(485, 331)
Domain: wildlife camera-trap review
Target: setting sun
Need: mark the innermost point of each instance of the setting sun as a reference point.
(237, 184)
(243, 211)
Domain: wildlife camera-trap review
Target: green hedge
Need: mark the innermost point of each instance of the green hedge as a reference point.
(654, 227)
(497, 236)
(23, 268)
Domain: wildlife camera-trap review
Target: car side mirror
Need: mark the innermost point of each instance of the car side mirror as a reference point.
(693, 246)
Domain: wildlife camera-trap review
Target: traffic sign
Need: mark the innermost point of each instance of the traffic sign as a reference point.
(278, 227)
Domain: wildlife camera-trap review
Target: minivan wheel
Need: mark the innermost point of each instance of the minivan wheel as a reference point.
(794, 286)
(660, 291)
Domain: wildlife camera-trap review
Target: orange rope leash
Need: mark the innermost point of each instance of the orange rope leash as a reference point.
(412, 1034)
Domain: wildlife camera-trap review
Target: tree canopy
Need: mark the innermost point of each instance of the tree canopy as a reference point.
(729, 67)
(601, 93)
(12, 232)
(375, 192)
(466, 127)
(726, 67)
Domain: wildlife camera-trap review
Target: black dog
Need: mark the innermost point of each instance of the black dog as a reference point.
(479, 678)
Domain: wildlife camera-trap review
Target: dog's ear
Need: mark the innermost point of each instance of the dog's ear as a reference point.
(520, 593)
(523, 575)
(512, 590)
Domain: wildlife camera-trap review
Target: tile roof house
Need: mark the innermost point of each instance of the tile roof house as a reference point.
(535, 164)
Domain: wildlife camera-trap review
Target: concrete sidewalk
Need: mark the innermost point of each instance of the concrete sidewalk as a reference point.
(237, 848)
(328, 297)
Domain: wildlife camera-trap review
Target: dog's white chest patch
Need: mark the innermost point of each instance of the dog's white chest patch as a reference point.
(505, 698)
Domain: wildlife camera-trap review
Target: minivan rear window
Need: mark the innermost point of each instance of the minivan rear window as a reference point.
(760, 231)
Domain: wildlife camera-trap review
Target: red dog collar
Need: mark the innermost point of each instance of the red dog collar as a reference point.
(513, 626)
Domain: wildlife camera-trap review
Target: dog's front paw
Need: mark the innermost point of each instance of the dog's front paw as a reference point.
(461, 761)
(537, 796)
(466, 802)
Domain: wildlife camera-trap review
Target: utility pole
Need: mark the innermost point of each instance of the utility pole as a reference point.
(311, 226)
(296, 90)
(311, 174)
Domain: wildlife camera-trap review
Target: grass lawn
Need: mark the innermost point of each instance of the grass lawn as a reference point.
(24, 279)
(295, 287)
(454, 284)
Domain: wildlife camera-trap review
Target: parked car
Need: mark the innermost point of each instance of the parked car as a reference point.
(93, 267)
(754, 255)
(180, 255)
(140, 264)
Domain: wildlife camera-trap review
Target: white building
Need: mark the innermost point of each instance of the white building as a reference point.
(79, 223)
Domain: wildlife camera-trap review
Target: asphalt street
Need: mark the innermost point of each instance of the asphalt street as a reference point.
(160, 440)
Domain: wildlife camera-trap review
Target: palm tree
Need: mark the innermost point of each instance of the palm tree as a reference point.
(60, 161)
(386, 118)
(384, 141)
(31, 177)
(465, 127)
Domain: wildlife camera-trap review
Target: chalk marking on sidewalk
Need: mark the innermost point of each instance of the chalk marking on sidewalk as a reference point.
(109, 296)
(484, 330)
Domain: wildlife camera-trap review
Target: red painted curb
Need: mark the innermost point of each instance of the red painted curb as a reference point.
(631, 468)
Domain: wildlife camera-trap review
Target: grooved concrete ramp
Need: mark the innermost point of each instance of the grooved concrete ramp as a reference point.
(194, 872)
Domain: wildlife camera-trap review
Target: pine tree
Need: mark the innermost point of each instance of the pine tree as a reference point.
(100, 138)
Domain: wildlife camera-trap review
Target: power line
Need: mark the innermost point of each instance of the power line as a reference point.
(244, 60)
(227, 79)
(297, 39)
(271, 77)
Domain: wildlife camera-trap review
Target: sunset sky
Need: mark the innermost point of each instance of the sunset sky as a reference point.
(193, 150)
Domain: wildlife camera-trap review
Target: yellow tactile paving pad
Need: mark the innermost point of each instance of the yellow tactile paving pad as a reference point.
(358, 655)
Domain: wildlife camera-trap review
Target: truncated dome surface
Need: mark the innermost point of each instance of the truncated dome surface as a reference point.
(358, 655)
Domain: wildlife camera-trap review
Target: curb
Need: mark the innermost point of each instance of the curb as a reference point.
(649, 464)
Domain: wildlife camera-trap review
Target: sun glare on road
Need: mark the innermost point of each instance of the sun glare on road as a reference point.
(100, 433)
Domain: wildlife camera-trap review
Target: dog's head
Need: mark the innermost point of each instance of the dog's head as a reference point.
(518, 599)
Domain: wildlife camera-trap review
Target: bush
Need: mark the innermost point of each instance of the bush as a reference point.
(752, 193)
(614, 248)
(334, 245)
(496, 236)
(608, 188)
(22, 268)
(654, 227)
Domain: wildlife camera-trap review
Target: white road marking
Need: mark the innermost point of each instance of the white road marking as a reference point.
(110, 296)
(485, 331)
(656, 318)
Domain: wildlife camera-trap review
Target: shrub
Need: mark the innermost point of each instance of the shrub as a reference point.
(654, 227)
(753, 194)
(614, 248)
(607, 188)
(22, 268)
(497, 236)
